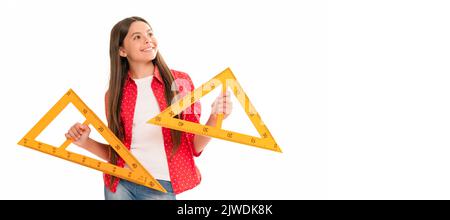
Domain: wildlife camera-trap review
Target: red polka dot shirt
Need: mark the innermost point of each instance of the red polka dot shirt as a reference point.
(184, 174)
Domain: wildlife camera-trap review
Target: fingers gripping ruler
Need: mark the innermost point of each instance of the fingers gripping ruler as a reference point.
(227, 79)
(137, 173)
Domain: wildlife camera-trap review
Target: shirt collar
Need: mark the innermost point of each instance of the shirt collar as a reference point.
(155, 73)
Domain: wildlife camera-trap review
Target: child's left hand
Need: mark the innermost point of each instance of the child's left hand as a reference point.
(222, 105)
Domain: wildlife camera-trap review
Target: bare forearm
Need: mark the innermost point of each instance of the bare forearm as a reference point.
(200, 141)
(222, 105)
(99, 149)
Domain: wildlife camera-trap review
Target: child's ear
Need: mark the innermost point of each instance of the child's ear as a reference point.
(122, 52)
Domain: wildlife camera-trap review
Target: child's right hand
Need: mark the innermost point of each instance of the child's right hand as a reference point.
(79, 134)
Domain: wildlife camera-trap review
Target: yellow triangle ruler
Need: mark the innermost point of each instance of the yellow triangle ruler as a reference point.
(227, 79)
(137, 173)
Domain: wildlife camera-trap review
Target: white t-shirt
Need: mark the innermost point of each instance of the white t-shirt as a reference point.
(147, 143)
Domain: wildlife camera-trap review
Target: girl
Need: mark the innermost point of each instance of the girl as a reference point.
(141, 85)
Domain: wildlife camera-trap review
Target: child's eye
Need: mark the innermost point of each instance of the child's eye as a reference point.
(137, 37)
(150, 34)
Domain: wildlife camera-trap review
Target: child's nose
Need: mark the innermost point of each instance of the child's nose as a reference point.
(148, 40)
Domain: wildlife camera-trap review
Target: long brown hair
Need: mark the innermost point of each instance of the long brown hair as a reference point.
(119, 71)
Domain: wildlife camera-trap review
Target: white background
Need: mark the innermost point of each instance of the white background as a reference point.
(355, 93)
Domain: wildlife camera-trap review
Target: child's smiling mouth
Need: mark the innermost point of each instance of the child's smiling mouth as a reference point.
(148, 49)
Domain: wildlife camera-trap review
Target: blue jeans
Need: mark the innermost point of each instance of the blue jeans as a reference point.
(127, 190)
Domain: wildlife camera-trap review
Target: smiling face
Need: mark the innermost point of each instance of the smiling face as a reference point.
(140, 45)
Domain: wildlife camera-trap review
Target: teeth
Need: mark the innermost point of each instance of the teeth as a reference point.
(148, 49)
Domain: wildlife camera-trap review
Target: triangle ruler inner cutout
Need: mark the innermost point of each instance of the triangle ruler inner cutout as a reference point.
(137, 173)
(227, 79)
